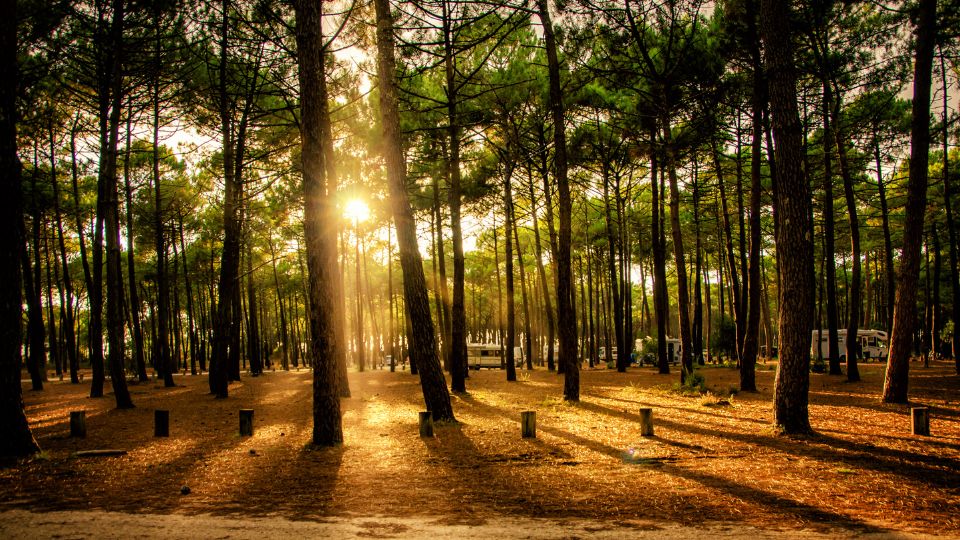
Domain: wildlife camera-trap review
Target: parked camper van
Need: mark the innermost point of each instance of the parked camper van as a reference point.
(673, 350)
(484, 355)
(873, 343)
(488, 355)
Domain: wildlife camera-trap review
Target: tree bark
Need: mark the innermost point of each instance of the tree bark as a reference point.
(567, 320)
(661, 306)
(794, 244)
(905, 310)
(422, 336)
(138, 354)
(854, 301)
(951, 224)
(108, 189)
(683, 293)
(748, 359)
(318, 222)
(17, 439)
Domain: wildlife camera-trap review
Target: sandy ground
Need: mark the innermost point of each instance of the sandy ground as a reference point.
(109, 525)
(714, 468)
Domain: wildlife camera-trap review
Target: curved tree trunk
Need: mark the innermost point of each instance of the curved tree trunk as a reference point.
(422, 336)
(904, 313)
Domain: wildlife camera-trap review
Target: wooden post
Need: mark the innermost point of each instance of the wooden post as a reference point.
(78, 424)
(920, 420)
(161, 423)
(646, 422)
(246, 422)
(528, 424)
(426, 424)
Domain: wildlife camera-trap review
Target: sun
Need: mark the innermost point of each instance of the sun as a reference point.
(356, 210)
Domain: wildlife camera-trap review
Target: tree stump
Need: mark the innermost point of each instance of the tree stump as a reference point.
(78, 424)
(646, 422)
(161, 423)
(246, 422)
(426, 424)
(920, 420)
(528, 424)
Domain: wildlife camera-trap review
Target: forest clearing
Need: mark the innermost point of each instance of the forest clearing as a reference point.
(714, 459)
(255, 253)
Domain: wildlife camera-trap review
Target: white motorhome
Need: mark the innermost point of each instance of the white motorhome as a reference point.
(484, 355)
(673, 350)
(489, 355)
(873, 343)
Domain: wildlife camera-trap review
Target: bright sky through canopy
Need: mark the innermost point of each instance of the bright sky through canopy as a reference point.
(356, 210)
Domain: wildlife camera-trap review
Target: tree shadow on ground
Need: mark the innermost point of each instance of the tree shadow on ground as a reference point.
(933, 470)
(769, 501)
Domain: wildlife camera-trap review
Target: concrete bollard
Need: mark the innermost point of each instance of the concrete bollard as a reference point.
(246, 422)
(646, 422)
(528, 424)
(78, 424)
(426, 424)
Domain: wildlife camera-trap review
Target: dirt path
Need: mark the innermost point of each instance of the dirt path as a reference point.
(109, 525)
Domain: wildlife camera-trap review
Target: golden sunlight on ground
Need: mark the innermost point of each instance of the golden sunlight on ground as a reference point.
(713, 459)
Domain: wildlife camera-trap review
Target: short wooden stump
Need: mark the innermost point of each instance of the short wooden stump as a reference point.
(426, 424)
(920, 420)
(646, 422)
(246, 422)
(78, 424)
(528, 424)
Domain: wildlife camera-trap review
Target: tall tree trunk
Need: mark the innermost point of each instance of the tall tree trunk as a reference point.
(17, 440)
(422, 345)
(697, 338)
(936, 325)
(794, 245)
(36, 336)
(567, 320)
(727, 235)
(612, 270)
(661, 306)
(458, 321)
(164, 363)
(281, 312)
(108, 189)
(66, 300)
(318, 219)
(904, 313)
(53, 279)
(683, 294)
(748, 358)
(829, 250)
(951, 224)
(541, 271)
(138, 354)
(253, 326)
(527, 326)
(358, 295)
(890, 281)
(854, 303)
(508, 260)
(190, 313)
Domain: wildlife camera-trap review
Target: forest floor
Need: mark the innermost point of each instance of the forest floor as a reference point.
(715, 463)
